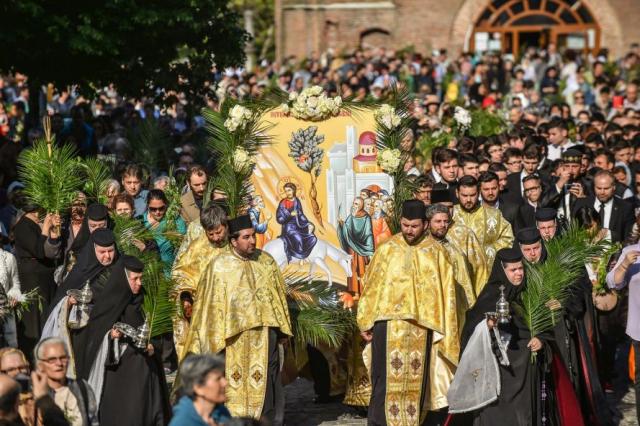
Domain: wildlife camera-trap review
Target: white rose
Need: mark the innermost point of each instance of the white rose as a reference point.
(389, 159)
(338, 100)
(284, 108)
(293, 96)
(462, 117)
(330, 104)
(312, 102)
(231, 124)
(241, 159)
(316, 90)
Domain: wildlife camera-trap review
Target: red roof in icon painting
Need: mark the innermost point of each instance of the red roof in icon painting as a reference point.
(367, 138)
(365, 157)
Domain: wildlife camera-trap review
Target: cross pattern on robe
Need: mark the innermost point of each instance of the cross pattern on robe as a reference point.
(411, 410)
(394, 410)
(415, 364)
(396, 363)
(257, 375)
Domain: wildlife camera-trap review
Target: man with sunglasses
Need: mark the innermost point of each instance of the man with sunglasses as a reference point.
(74, 397)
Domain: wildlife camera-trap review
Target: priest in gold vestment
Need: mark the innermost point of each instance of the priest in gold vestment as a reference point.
(491, 228)
(189, 265)
(438, 222)
(464, 240)
(408, 312)
(241, 312)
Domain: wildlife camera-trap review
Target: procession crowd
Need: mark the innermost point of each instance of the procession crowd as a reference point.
(484, 208)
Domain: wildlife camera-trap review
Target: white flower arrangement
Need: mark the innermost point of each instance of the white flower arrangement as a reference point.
(386, 115)
(462, 118)
(238, 117)
(389, 159)
(312, 104)
(242, 160)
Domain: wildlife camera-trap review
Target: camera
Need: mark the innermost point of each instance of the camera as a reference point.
(26, 386)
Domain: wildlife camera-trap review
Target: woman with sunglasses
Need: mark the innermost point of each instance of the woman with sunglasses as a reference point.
(155, 218)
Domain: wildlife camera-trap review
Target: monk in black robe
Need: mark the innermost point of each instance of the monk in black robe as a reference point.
(96, 217)
(132, 389)
(520, 402)
(35, 269)
(93, 265)
(571, 343)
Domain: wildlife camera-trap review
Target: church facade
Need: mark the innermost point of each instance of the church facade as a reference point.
(307, 27)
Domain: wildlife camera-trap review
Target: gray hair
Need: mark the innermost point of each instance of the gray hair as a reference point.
(194, 371)
(113, 184)
(48, 341)
(212, 216)
(161, 180)
(434, 209)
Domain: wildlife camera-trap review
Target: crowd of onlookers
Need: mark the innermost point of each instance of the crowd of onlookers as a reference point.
(572, 143)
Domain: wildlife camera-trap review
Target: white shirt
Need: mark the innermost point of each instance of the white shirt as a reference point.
(523, 175)
(608, 208)
(9, 273)
(555, 152)
(565, 204)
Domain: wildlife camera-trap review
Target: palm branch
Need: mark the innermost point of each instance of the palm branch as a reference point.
(316, 326)
(173, 191)
(158, 308)
(429, 141)
(391, 138)
(600, 287)
(236, 184)
(316, 316)
(50, 174)
(532, 306)
(485, 123)
(96, 174)
(575, 246)
(127, 230)
(554, 279)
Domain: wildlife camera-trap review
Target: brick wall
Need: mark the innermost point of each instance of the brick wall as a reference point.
(315, 25)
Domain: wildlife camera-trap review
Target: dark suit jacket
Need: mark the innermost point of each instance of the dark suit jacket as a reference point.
(526, 217)
(509, 211)
(622, 217)
(513, 192)
(554, 199)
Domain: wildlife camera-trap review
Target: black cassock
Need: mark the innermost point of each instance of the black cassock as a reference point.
(35, 271)
(522, 401)
(134, 391)
(575, 338)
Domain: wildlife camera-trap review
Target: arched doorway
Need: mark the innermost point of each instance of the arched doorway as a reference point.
(512, 25)
(374, 37)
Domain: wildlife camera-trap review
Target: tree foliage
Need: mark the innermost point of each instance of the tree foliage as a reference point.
(139, 46)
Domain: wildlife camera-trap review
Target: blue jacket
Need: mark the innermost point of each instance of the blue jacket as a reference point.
(184, 414)
(166, 249)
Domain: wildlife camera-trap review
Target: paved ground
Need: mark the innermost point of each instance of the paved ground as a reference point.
(624, 408)
(301, 411)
